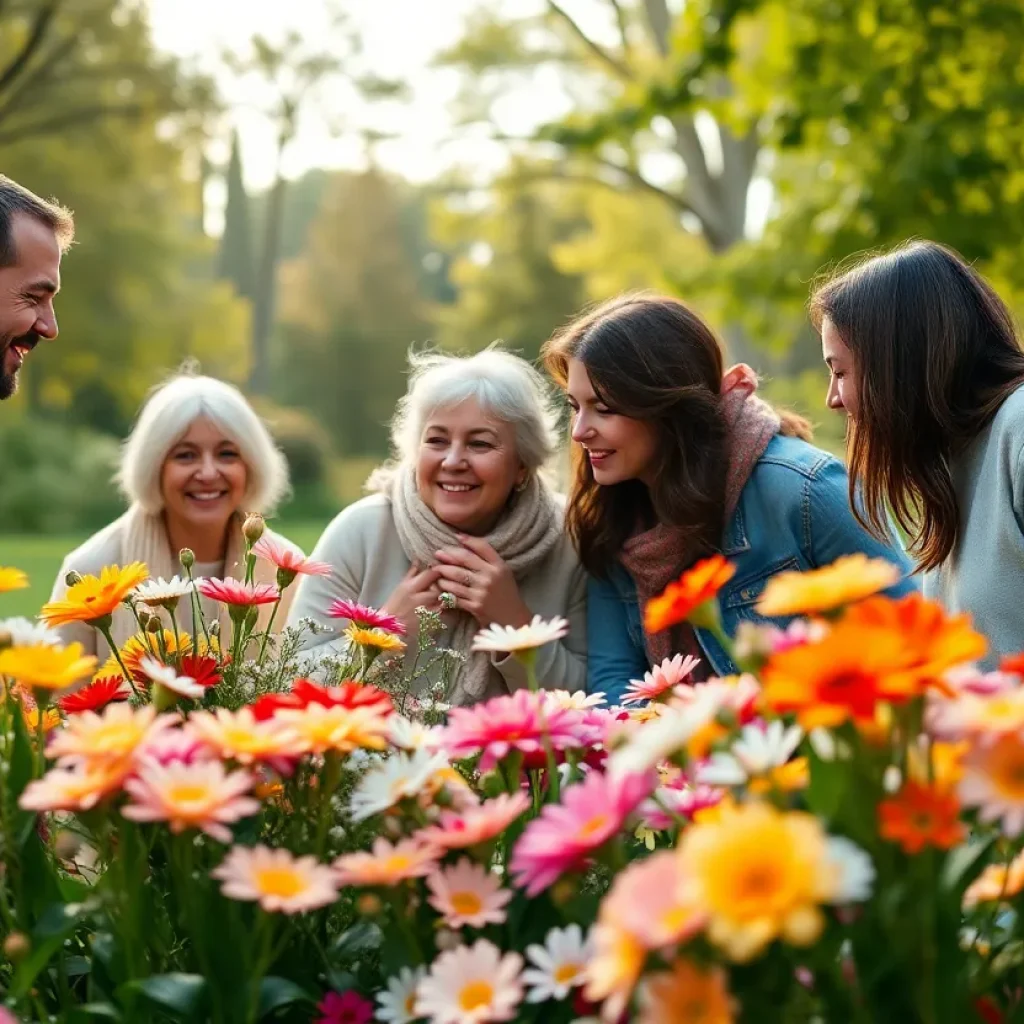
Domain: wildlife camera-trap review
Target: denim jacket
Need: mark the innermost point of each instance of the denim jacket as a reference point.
(793, 514)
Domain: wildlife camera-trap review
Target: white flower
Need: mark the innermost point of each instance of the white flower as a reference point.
(507, 639)
(26, 633)
(398, 1003)
(163, 593)
(158, 672)
(470, 984)
(578, 701)
(855, 873)
(558, 964)
(409, 735)
(658, 739)
(400, 776)
(757, 751)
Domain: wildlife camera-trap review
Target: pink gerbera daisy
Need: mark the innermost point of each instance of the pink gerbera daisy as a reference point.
(290, 562)
(520, 722)
(366, 617)
(566, 834)
(346, 1007)
(662, 678)
(467, 894)
(235, 592)
(457, 830)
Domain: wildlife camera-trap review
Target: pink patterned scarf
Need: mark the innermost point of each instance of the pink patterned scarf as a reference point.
(657, 556)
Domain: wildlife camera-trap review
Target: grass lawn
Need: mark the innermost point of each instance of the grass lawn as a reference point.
(41, 557)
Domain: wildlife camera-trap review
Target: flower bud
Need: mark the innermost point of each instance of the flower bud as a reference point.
(187, 557)
(152, 622)
(447, 939)
(17, 946)
(253, 527)
(72, 577)
(215, 628)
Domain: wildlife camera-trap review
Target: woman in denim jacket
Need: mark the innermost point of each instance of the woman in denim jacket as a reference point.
(676, 458)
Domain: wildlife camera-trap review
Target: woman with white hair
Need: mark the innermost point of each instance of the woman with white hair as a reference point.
(463, 522)
(198, 459)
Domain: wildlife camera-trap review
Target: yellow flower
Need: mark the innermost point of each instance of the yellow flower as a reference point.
(996, 884)
(44, 667)
(138, 647)
(337, 728)
(686, 994)
(51, 719)
(847, 579)
(93, 598)
(759, 874)
(376, 639)
(12, 579)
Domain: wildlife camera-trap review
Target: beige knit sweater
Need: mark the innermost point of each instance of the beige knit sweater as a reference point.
(362, 546)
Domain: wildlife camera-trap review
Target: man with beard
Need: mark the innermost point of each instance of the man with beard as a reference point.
(34, 234)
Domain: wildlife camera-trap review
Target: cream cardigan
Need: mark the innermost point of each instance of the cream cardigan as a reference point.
(361, 544)
(136, 536)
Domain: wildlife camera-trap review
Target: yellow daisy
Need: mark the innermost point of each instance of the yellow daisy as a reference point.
(848, 579)
(12, 579)
(375, 639)
(44, 667)
(93, 598)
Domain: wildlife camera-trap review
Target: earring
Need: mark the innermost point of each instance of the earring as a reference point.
(521, 486)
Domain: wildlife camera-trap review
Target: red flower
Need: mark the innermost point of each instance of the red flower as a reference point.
(344, 1008)
(270, 703)
(98, 694)
(203, 669)
(305, 692)
(988, 1010)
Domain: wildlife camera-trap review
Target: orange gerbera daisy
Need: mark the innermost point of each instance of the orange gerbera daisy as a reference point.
(138, 647)
(847, 579)
(933, 641)
(688, 597)
(93, 598)
(921, 815)
(844, 675)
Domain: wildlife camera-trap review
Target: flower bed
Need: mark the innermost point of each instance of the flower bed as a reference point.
(196, 834)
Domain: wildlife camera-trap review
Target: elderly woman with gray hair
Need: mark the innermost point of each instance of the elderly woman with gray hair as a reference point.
(463, 522)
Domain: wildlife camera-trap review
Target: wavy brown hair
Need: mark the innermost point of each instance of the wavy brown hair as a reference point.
(652, 359)
(935, 352)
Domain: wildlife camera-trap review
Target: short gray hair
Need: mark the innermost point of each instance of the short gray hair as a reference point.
(166, 416)
(506, 386)
(15, 199)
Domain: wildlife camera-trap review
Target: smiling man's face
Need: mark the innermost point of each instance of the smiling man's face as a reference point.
(27, 289)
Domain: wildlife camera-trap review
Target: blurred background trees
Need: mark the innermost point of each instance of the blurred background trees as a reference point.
(726, 151)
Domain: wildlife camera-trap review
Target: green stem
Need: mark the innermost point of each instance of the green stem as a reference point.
(177, 638)
(270, 626)
(41, 736)
(105, 632)
(198, 616)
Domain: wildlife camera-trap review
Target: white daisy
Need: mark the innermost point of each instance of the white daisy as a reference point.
(558, 964)
(855, 873)
(397, 1004)
(578, 701)
(410, 735)
(163, 593)
(757, 751)
(508, 639)
(659, 738)
(471, 984)
(400, 776)
(26, 633)
(165, 676)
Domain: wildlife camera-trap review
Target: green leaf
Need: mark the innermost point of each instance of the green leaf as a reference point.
(91, 1011)
(77, 966)
(54, 926)
(340, 980)
(360, 938)
(180, 995)
(19, 774)
(276, 993)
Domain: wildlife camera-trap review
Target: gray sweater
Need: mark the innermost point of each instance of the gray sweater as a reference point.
(984, 575)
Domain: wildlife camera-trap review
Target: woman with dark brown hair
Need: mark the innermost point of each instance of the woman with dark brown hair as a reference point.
(925, 361)
(677, 458)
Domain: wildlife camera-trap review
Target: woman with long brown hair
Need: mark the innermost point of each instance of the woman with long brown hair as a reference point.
(925, 361)
(676, 458)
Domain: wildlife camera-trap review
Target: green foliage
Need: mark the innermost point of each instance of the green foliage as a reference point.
(54, 478)
(236, 251)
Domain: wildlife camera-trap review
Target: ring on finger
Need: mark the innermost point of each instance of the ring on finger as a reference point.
(448, 601)
(467, 579)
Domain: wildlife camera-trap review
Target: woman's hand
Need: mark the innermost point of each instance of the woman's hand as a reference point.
(418, 589)
(482, 583)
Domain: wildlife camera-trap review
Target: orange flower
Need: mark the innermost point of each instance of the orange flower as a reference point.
(844, 675)
(1013, 663)
(687, 597)
(934, 642)
(847, 579)
(138, 647)
(93, 598)
(921, 815)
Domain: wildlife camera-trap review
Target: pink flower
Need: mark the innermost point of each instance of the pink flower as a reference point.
(175, 745)
(290, 562)
(685, 802)
(662, 678)
(477, 824)
(503, 724)
(235, 592)
(566, 834)
(365, 617)
(277, 880)
(344, 1008)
